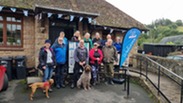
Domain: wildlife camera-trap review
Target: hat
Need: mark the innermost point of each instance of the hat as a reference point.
(95, 43)
(47, 41)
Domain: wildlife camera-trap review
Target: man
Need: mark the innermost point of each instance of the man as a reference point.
(104, 41)
(81, 59)
(117, 44)
(97, 38)
(62, 35)
(60, 54)
(110, 55)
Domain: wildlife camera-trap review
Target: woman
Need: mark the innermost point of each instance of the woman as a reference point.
(47, 61)
(88, 40)
(76, 37)
(96, 57)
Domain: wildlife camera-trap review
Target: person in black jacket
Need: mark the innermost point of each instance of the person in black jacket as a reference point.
(47, 60)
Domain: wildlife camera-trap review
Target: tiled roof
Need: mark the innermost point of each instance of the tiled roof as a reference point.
(109, 14)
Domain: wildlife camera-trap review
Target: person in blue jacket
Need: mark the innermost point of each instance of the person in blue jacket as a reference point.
(62, 35)
(117, 44)
(60, 55)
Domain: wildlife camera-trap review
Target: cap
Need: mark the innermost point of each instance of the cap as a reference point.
(47, 41)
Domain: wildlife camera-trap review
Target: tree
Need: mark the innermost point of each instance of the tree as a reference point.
(179, 23)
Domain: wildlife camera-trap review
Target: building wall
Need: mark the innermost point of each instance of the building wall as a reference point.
(28, 43)
(41, 34)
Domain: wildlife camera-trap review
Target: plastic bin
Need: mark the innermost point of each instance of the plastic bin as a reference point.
(7, 63)
(20, 65)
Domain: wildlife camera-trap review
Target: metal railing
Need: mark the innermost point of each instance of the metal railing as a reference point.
(147, 65)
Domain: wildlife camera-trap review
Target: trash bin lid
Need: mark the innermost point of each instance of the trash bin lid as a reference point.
(19, 58)
(5, 58)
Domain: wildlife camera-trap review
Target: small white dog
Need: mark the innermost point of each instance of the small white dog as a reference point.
(85, 78)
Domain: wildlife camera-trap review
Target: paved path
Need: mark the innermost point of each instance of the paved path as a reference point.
(168, 87)
(101, 93)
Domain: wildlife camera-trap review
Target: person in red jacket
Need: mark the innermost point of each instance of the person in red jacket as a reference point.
(96, 57)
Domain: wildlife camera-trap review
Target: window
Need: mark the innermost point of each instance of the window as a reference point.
(10, 31)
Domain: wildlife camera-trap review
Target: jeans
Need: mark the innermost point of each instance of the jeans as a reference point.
(94, 72)
(59, 74)
(47, 73)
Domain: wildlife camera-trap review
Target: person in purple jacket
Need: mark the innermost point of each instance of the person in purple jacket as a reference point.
(81, 59)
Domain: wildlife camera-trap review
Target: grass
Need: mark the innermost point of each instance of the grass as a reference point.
(180, 28)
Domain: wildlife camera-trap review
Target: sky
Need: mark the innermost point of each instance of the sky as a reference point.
(147, 11)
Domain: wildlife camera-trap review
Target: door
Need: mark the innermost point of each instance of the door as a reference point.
(56, 27)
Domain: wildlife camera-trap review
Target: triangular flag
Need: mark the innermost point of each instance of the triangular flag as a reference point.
(1, 7)
(25, 12)
(111, 30)
(105, 28)
(123, 31)
(13, 9)
(40, 16)
(94, 22)
(60, 15)
(71, 17)
(49, 14)
(80, 19)
(89, 19)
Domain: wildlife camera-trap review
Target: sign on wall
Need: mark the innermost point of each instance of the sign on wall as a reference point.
(72, 47)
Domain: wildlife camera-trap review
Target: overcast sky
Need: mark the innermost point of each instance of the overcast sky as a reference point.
(146, 11)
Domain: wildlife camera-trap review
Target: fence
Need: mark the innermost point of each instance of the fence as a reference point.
(145, 66)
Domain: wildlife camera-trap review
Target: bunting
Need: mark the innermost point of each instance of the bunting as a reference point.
(105, 28)
(25, 12)
(89, 19)
(49, 15)
(1, 8)
(60, 15)
(111, 30)
(80, 19)
(71, 17)
(40, 16)
(13, 9)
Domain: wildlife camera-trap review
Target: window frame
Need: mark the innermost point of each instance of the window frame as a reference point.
(5, 22)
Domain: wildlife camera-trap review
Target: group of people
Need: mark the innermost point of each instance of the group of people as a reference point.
(100, 51)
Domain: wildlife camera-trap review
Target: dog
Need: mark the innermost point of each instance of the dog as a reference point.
(43, 85)
(85, 78)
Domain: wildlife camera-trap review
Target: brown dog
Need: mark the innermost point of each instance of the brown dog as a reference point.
(44, 85)
(85, 78)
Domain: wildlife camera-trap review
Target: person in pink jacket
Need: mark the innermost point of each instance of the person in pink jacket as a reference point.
(96, 57)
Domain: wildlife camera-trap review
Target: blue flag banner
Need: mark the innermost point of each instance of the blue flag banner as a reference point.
(71, 18)
(13, 9)
(60, 15)
(25, 12)
(1, 8)
(80, 19)
(49, 14)
(129, 40)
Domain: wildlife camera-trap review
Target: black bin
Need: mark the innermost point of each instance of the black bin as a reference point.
(7, 63)
(20, 65)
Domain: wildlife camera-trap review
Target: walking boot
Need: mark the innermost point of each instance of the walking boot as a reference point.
(111, 82)
(72, 85)
(106, 80)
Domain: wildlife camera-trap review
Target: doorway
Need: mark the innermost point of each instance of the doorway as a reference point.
(56, 26)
